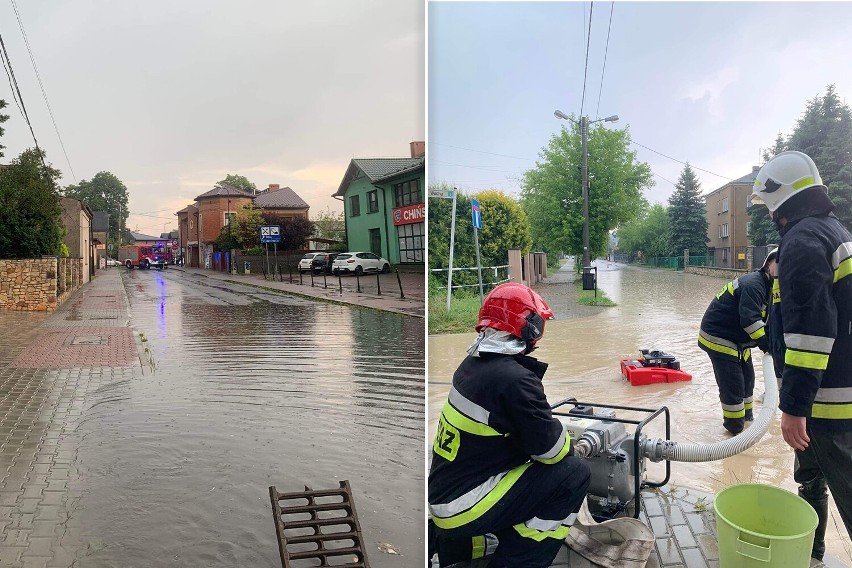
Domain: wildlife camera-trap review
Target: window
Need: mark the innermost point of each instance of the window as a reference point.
(748, 201)
(724, 205)
(230, 217)
(407, 193)
(376, 241)
(354, 206)
(723, 231)
(372, 201)
(410, 242)
(748, 227)
(190, 223)
(724, 255)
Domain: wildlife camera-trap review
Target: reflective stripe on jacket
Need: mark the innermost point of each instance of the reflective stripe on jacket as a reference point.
(496, 419)
(815, 264)
(734, 320)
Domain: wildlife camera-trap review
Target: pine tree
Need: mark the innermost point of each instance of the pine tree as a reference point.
(762, 230)
(688, 215)
(824, 132)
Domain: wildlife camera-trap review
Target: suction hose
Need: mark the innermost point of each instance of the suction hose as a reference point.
(658, 449)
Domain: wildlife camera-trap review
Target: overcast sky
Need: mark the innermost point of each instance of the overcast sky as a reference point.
(172, 96)
(708, 83)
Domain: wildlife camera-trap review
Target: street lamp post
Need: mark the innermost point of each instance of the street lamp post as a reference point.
(584, 170)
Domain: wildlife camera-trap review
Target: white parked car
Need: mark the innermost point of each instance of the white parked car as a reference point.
(359, 263)
(306, 262)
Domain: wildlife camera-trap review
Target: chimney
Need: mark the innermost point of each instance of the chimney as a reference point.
(273, 187)
(418, 149)
(755, 169)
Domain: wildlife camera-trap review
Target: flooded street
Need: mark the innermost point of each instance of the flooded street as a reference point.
(242, 389)
(657, 309)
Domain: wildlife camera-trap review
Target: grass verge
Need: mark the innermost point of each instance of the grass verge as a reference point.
(461, 318)
(587, 297)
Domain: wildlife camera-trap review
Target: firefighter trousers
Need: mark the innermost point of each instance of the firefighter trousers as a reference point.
(530, 521)
(736, 389)
(826, 461)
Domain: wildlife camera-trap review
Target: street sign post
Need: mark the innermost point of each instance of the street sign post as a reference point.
(476, 216)
(270, 234)
(449, 194)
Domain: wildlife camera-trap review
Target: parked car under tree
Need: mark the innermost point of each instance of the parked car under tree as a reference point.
(359, 263)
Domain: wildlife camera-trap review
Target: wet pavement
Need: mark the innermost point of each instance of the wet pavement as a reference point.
(142, 423)
(402, 293)
(656, 309)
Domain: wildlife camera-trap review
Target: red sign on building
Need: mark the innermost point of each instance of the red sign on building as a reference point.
(409, 214)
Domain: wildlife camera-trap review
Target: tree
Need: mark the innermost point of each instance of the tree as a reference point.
(246, 229)
(824, 132)
(330, 225)
(504, 226)
(240, 182)
(3, 118)
(687, 216)
(647, 233)
(551, 192)
(762, 230)
(226, 241)
(294, 230)
(104, 192)
(30, 212)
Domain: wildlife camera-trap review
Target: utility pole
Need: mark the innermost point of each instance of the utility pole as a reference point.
(584, 126)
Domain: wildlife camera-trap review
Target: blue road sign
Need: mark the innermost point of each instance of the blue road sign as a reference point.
(476, 214)
(270, 234)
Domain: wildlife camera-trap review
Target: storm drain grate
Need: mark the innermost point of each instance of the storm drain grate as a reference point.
(89, 340)
(318, 525)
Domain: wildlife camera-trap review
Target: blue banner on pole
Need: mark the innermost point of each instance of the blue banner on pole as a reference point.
(476, 214)
(270, 234)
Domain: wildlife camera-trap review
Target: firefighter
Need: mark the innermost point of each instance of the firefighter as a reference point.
(732, 325)
(503, 471)
(774, 327)
(814, 268)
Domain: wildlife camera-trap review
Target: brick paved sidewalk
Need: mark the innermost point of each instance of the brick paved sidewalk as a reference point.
(45, 378)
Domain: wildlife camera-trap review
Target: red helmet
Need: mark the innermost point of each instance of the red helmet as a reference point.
(516, 309)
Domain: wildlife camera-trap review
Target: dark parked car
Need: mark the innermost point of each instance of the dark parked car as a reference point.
(322, 262)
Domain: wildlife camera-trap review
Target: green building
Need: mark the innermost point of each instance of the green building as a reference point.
(384, 206)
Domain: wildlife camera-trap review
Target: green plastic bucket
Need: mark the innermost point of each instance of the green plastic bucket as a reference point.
(761, 526)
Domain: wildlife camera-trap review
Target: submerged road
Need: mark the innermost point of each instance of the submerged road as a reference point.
(165, 457)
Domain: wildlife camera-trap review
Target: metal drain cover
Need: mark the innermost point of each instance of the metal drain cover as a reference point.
(89, 340)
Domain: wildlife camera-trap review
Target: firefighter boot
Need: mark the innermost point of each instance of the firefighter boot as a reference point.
(733, 425)
(820, 505)
(749, 415)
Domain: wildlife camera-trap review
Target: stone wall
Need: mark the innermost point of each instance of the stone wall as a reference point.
(727, 273)
(38, 284)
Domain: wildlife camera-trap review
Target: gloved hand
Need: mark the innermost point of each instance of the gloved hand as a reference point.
(763, 344)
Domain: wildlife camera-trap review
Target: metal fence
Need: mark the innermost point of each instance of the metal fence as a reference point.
(491, 276)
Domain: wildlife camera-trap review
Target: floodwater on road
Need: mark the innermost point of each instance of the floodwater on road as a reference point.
(251, 389)
(657, 309)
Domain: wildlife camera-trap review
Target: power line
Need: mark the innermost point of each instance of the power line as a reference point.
(606, 50)
(681, 162)
(480, 151)
(14, 84)
(586, 72)
(43, 92)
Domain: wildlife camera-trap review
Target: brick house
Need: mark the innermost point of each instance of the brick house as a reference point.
(728, 221)
(200, 223)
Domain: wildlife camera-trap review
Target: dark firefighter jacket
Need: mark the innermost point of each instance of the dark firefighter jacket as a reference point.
(734, 320)
(775, 329)
(815, 264)
(495, 420)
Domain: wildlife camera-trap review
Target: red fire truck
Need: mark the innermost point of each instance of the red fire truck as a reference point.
(143, 256)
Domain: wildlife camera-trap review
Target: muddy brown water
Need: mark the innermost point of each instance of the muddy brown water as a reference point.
(251, 390)
(656, 309)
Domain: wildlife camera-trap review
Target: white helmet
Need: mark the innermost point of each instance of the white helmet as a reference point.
(773, 254)
(782, 176)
